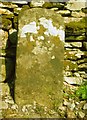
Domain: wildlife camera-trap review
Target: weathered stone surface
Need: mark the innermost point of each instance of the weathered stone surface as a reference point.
(76, 27)
(73, 80)
(2, 69)
(76, 4)
(5, 11)
(70, 65)
(4, 89)
(6, 23)
(85, 106)
(81, 114)
(19, 1)
(71, 19)
(39, 58)
(84, 45)
(75, 55)
(78, 14)
(3, 38)
(64, 12)
(7, 5)
(76, 44)
(3, 105)
(54, 9)
(37, 3)
(17, 10)
(70, 114)
(83, 66)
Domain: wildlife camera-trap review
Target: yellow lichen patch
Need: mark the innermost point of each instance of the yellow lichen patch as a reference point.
(55, 40)
(41, 30)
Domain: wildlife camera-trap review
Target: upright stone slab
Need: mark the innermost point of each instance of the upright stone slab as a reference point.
(39, 70)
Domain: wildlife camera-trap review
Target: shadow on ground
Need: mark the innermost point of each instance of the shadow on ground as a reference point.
(10, 62)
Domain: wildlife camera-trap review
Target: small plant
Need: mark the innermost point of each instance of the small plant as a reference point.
(82, 92)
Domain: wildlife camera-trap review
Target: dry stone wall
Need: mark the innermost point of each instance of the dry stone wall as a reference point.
(75, 55)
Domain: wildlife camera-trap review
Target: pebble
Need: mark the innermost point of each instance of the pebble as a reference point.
(24, 109)
(70, 114)
(66, 103)
(14, 107)
(72, 106)
(85, 106)
(81, 104)
(81, 114)
(62, 108)
(9, 101)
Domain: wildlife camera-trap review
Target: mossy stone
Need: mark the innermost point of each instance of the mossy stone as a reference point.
(6, 23)
(70, 66)
(8, 16)
(16, 22)
(47, 5)
(75, 26)
(39, 71)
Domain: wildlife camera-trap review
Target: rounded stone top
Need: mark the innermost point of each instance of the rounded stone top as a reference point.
(39, 22)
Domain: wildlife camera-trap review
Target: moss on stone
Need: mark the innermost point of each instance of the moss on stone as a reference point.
(6, 23)
(77, 26)
(71, 66)
(24, 8)
(7, 3)
(41, 30)
(8, 16)
(15, 22)
(47, 5)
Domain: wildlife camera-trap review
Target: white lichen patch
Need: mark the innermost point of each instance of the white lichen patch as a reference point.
(51, 30)
(31, 38)
(29, 28)
(39, 49)
(40, 37)
(61, 33)
(48, 25)
(53, 57)
(51, 47)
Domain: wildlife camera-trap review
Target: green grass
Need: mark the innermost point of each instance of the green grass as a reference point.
(81, 92)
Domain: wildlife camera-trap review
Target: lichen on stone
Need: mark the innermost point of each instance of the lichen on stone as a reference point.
(46, 28)
(29, 28)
